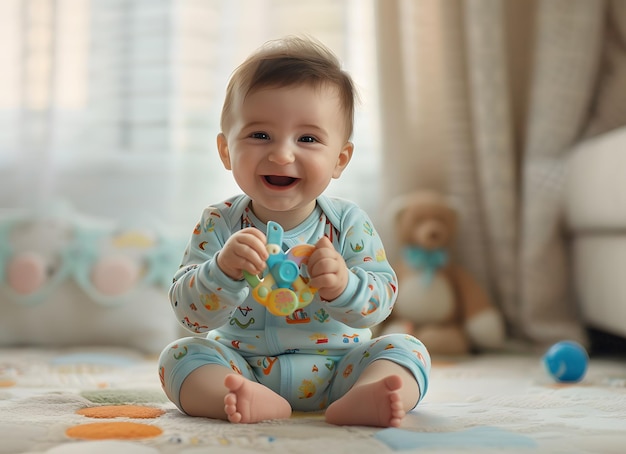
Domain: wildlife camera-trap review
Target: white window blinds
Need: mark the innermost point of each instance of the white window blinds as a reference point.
(114, 104)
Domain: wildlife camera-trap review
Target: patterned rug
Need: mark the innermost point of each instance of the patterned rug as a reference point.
(94, 400)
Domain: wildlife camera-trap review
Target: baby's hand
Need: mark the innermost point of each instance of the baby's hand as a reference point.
(328, 270)
(244, 250)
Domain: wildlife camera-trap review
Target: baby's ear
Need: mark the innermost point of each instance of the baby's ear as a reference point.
(343, 159)
(222, 149)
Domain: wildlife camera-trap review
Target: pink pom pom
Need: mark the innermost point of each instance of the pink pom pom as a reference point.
(114, 275)
(26, 273)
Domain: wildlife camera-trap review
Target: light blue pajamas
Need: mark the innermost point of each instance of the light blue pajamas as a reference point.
(311, 357)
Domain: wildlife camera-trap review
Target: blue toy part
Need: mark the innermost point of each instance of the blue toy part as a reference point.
(566, 361)
(275, 235)
(285, 273)
(283, 290)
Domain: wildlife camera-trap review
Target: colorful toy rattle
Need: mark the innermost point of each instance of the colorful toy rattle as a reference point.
(283, 290)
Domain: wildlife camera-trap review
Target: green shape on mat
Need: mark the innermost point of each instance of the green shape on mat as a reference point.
(477, 437)
(124, 396)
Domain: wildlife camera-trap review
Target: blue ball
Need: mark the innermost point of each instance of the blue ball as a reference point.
(566, 361)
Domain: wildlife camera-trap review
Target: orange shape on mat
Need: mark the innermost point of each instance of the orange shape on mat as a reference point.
(121, 411)
(113, 430)
(6, 383)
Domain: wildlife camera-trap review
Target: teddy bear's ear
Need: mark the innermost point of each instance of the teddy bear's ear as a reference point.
(398, 204)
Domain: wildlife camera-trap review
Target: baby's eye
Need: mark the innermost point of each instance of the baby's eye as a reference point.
(260, 136)
(308, 139)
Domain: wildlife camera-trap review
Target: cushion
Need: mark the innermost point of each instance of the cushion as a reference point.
(598, 263)
(66, 280)
(595, 193)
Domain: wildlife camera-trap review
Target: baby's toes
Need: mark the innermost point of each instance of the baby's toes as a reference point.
(230, 399)
(230, 407)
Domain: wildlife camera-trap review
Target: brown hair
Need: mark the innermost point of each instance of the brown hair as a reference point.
(287, 62)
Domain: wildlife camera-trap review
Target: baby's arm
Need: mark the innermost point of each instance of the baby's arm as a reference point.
(355, 279)
(203, 294)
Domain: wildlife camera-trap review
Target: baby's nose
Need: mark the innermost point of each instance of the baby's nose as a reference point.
(282, 154)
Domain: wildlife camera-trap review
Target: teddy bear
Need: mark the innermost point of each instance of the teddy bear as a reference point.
(438, 301)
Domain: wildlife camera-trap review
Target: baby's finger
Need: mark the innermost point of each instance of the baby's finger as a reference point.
(249, 259)
(321, 265)
(319, 282)
(255, 240)
(254, 232)
(252, 268)
(324, 243)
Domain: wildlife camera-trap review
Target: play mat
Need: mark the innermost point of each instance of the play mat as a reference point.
(105, 400)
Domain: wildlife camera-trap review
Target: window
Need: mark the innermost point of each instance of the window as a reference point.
(114, 104)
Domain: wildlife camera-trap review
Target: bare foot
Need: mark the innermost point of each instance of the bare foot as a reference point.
(375, 404)
(250, 402)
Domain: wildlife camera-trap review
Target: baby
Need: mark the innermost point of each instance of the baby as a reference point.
(286, 125)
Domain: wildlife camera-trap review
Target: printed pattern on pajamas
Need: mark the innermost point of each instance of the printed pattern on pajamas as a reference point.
(311, 357)
(309, 382)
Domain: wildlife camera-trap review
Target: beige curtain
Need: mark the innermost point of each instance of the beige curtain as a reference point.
(482, 99)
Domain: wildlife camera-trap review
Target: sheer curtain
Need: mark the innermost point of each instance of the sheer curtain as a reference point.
(113, 105)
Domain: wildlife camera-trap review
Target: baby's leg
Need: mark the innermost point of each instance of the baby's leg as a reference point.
(250, 402)
(202, 393)
(381, 396)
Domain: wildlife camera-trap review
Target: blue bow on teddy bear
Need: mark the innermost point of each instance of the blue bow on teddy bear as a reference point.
(429, 260)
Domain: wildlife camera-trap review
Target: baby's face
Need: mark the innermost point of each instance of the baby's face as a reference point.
(284, 145)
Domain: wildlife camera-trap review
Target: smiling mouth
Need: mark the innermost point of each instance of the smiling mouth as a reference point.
(280, 181)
